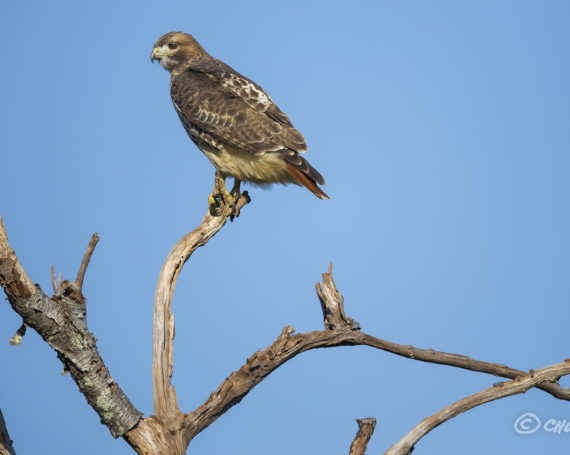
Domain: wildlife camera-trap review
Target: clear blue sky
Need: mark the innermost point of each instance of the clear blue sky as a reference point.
(442, 131)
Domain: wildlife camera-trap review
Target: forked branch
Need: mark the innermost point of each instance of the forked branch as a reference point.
(288, 345)
(61, 321)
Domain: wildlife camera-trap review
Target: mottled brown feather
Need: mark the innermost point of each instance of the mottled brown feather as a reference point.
(232, 114)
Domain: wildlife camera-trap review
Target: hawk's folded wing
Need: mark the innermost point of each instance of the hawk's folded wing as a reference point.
(214, 98)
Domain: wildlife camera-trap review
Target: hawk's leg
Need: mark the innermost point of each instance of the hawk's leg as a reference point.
(220, 198)
(235, 193)
(235, 189)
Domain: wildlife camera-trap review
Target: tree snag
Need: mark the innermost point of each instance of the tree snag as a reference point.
(61, 320)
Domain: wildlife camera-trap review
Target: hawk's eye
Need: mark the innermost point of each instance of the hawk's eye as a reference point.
(172, 45)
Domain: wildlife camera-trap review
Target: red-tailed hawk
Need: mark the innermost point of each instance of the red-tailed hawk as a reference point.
(232, 120)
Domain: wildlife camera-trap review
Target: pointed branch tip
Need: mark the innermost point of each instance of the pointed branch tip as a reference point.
(85, 262)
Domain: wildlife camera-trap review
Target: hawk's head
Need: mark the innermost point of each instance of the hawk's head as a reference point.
(176, 50)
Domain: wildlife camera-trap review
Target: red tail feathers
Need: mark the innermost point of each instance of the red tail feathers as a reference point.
(304, 180)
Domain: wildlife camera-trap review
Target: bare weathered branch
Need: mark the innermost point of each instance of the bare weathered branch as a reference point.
(332, 304)
(165, 403)
(61, 322)
(365, 429)
(53, 284)
(329, 296)
(85, 262)
(13, 278)
(5, 441)
(500, 390)
(151, 437)
(74, 289)
(459, 361)
(286, 346)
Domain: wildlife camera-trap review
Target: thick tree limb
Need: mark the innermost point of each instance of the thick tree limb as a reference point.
(5, 441)
(61, 322)
(152, 437)
(13, 278)
(500, 390)
(165, 403)
(365, 430)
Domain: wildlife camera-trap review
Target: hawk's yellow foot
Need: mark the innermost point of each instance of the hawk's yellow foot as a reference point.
(235, 193)
(220, 198)
(213, 205)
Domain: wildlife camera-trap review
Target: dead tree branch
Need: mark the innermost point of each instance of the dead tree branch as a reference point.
(365, 429)
(85, 262)
(458, 361)
(499, 390)
(74, 289)
(13, 278)
(287, 345)
(165, 402)
(332, 304)
(5, 441)
(61, 322)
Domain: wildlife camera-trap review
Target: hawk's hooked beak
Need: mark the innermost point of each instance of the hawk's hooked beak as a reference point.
(154, 55)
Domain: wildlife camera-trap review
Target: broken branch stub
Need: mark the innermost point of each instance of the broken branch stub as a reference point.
(332, 304)
(365, 429)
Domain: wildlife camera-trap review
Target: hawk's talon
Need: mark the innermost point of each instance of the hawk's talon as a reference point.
(220, 199)
(229, 199)
(214, 205)
(235, 192)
